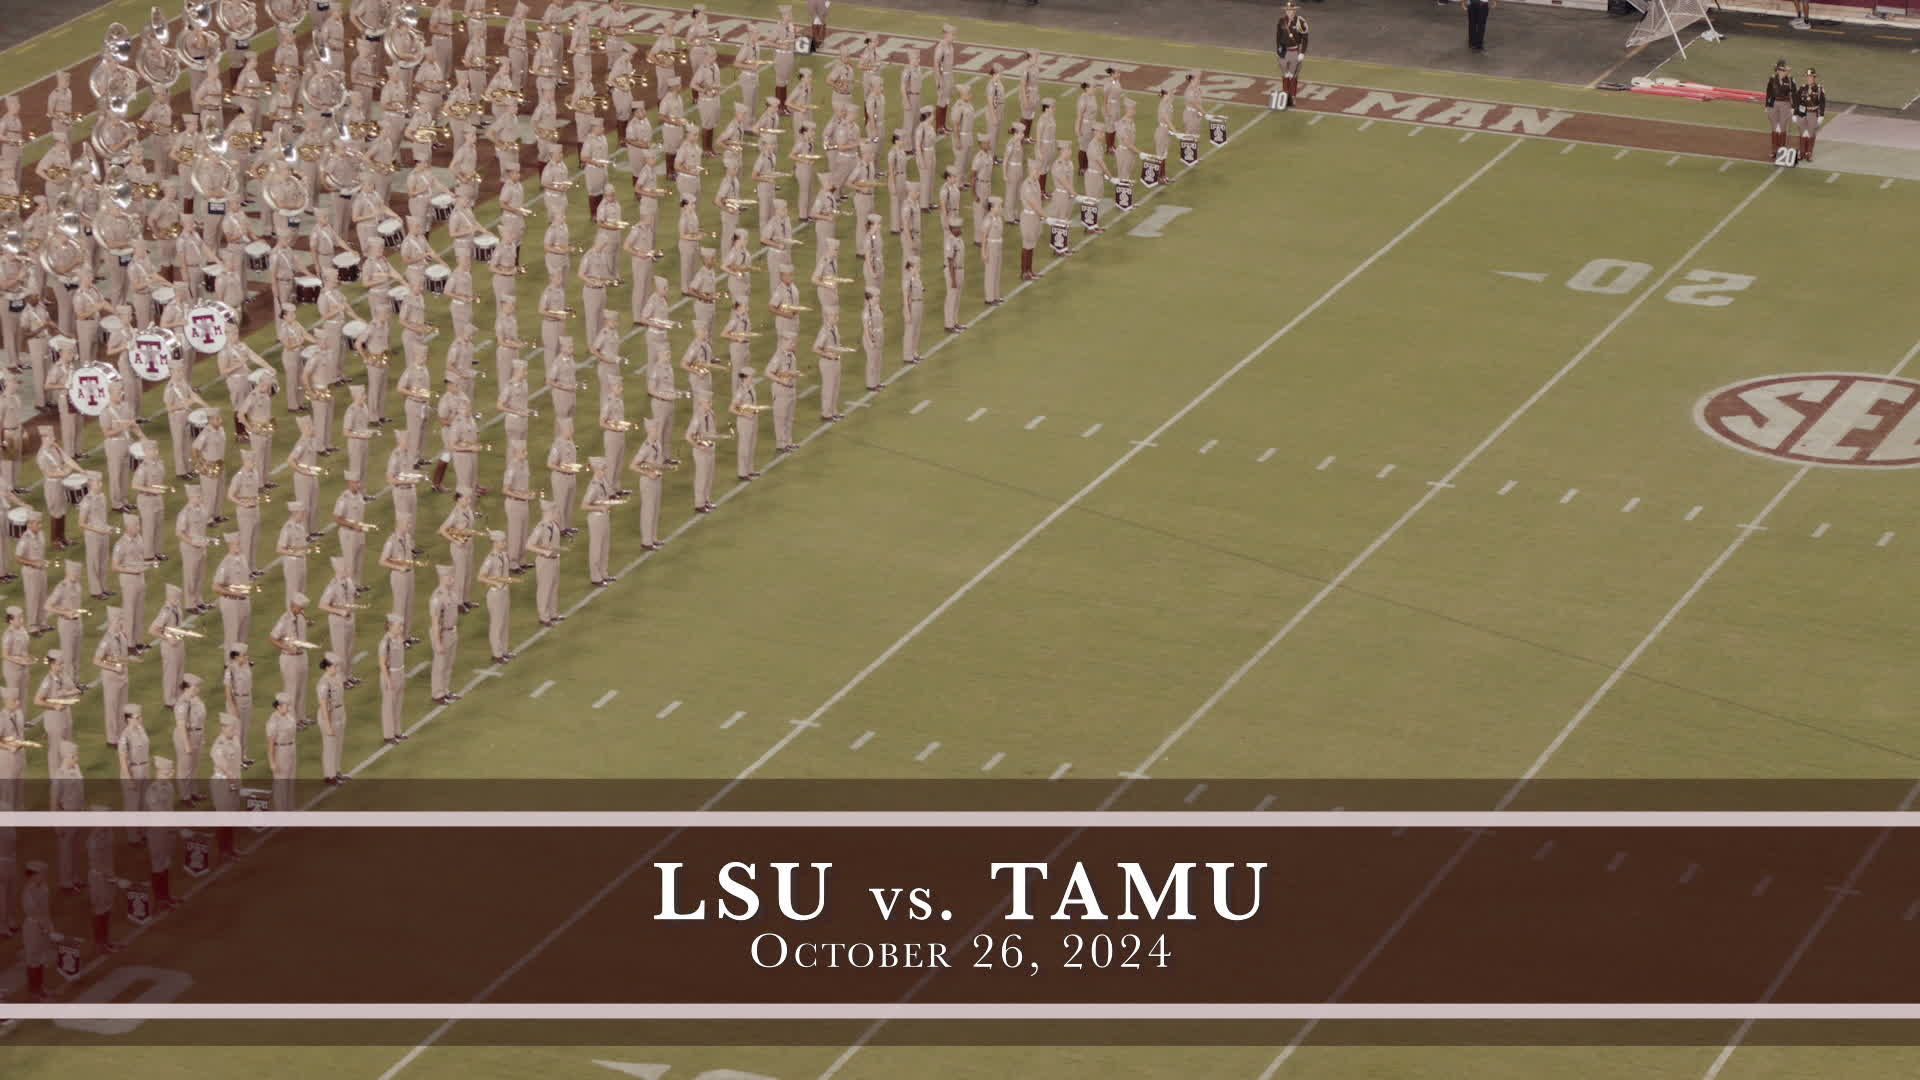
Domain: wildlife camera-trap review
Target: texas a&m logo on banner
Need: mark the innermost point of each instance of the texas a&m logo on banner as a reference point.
(139, 904)
(1836, 418)
(66, 958)
(207, 328)
(199, 854)
(151, 356)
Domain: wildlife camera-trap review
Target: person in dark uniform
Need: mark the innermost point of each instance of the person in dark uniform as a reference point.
(1477, 11)
(1780, 95)
(1809, 111)
(1290, 42)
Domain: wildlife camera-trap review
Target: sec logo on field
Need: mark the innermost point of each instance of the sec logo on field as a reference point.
(1833, 418)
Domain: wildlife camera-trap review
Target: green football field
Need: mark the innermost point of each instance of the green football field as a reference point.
(1365, 450)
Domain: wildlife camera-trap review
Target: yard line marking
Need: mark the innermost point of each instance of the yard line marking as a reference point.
(1619, 857)
(1826, 915)
(1385, 471)
(1686, 875)
(1061, 770)
(1328, 460)
(1693, 513)
(1567, 149)
(1831, 177)
(1366, 125)
(1446, 869)
(863, 740)
(920, 408)
(541, 690)
(1265, 801)
(668, 711)
(1035, 422)
(977, 414)
(1412, 131)
(1631, 503)
(359, 656)
(1887, 183)
(1760, 887)
(1317, 117)
(1820, 530)
(1198, 789)
(815, 388)
(1544, 850)
(927, 751)
(1262, 459)
(418, 668)
(1506, 487)
(1208, 445)
(604, 698)
(1144, 443)
(732, 720)
(1672, 159)
(1885, 539)
(1725, 165)
(1090, 432)
(1621, 154)
(1568, 497)
(1465, 135)
(493, 672)
(996, 759)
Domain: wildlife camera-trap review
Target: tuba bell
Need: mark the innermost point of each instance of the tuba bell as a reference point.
(117, 44)
(199, 47)
(286, 14)
(159, 31)
(158, 64)
(406, 46)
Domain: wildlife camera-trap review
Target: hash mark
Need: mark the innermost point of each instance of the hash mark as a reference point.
(1090, 432)
(1885, 539)
(1887, 183)
(604, 698)
(1820, 530)
(1760, 887)
(1194, 794)
(1567, 149)
(1693, 513)
(1265, 802)
(1384, 472)
(418, 668)
(977, 414)
(1506, 487)
(928, 751)
(1621, 154)
(1035, 422)
(864, 739)
(1545, 850)
(1671, 160)
(1271, 450)
(1317, 118)
(1618, 858)
(1727, 164)
(1324, 464)
(666, 712)
(1631, 503)
(1412, 131)
(1465, 135)
(359, 656)
(542, 688)
(731, 720)
(1208, 445)
(1831, 177)
(996, 759)
(920, 408)
(1912, 910)
(1366, 125)
(1568, 497)
(1687, 874)
(1061, 771)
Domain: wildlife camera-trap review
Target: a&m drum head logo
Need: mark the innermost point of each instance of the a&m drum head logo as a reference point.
(152, 354)
(87, 388)
(207, 328)
(1835, 418)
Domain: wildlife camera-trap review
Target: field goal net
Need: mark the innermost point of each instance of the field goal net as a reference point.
(1664, 18)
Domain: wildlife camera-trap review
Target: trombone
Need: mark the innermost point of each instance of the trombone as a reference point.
(179, 633)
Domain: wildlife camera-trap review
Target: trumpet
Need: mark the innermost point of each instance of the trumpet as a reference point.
(734, 206)
(363, 526)
(243, 589)
(63, 702)
(312, 470)
(501, 95)
(834, 280)
(788, 310)
(297, 644)
(179, 633)
(588, 102)
(11, 743)
(571, 468)
(741, 336)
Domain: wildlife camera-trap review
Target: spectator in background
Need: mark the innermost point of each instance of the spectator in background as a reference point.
(1802, 15)
(1477, 11)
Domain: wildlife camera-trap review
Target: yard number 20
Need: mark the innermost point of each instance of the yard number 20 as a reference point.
(1614, 277)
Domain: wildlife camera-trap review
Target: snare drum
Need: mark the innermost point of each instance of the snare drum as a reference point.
(197, 422)
(257, 255)
(76, 485)
(347, 266)
(210, 277)
(162, 295)
(306, 290)
(483, 246)
(354, 332)
(442, 207)
(109, 325)
(398, 294)
(17, 519)
(437, 276)
(391, 232)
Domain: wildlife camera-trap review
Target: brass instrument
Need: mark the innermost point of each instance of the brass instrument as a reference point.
(312, 470)
(63, 702)
(571, 468)
(301, 644)
(501, 95)
(788, 310)
(734, 206)
(587, 102)
(11, 743)
(739, 336)
(364, 526)
(179, 633)
(242, 589)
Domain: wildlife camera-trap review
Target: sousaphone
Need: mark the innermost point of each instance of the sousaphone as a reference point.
(286, 14)
(114, 136)
(343, 169)
(110, 78)
(158, 64)
(15, 272)
(324, 89)
(214, 175)
(199, 46)
(116, 229)
(406, 45)
(62, 254)
(284, 187)
(370, 17)
(237, 18)
(159, 31)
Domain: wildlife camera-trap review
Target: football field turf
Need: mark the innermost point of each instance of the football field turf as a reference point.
(1366, 450)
